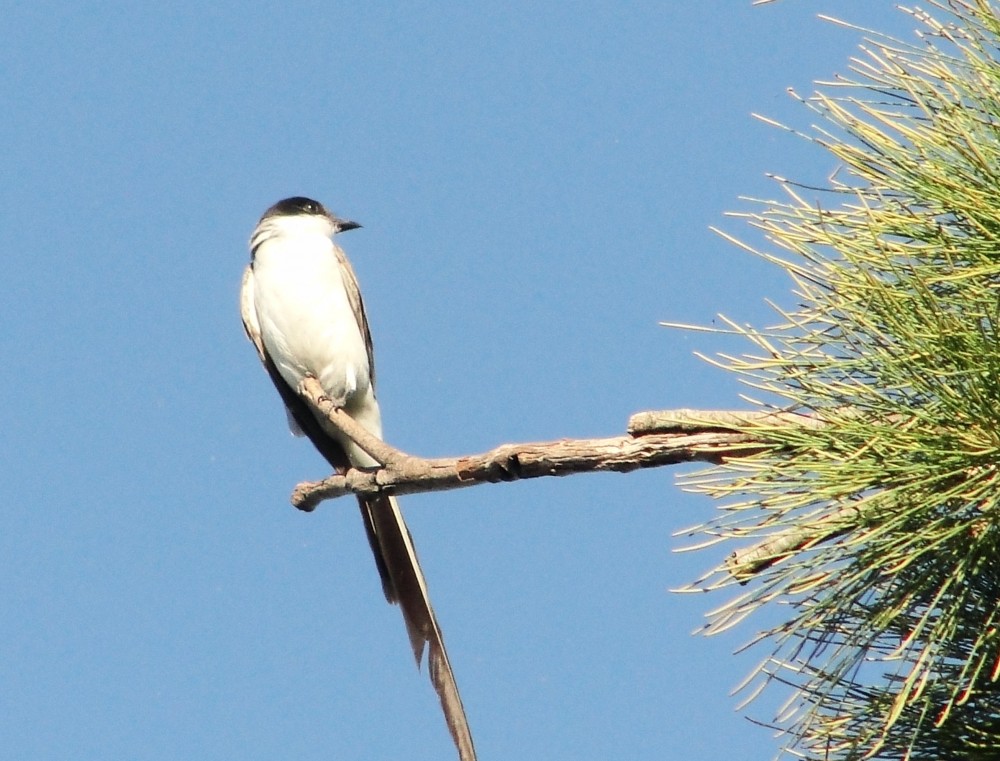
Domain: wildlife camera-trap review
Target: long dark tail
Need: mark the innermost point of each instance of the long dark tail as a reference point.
(402, 580)
(403, 583)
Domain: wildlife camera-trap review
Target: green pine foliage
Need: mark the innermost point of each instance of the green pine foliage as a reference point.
(891, 594)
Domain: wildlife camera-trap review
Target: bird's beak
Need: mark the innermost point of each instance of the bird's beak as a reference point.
(343, 225)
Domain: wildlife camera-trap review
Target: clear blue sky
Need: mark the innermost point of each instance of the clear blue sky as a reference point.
(536, 183)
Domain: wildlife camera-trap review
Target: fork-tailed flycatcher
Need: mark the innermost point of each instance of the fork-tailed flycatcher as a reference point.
(303, 312)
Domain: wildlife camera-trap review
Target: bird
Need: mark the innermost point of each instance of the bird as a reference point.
(302, 310)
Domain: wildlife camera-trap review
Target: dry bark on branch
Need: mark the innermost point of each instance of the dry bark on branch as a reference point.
(654, 439)
(405, 474)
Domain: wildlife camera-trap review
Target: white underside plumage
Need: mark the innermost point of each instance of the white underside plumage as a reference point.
(308, 325)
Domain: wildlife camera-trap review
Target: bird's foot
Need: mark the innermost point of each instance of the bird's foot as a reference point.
(310, 385)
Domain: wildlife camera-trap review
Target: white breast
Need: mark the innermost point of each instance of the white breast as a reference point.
(306, 320)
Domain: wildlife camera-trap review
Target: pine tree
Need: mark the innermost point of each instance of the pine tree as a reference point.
(878, 527)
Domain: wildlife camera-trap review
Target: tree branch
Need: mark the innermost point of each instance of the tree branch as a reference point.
(745, 563)
(310, 390)
(511, 462)
(700, 421)
(654, 439)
